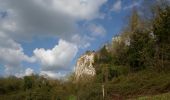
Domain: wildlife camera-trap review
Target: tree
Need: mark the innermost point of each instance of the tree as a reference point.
(28, 82)
(161, 28)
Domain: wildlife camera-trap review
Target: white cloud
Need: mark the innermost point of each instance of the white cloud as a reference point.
(81, 41)
(54, 75)
(13, 57)
(117, 6)
(131, 6)
(79, 9)
(97, 30)
(27, 72)
(27, 18)
(11, 54)
(58, 57)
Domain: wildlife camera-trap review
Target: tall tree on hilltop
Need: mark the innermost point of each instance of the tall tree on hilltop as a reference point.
(161, 28)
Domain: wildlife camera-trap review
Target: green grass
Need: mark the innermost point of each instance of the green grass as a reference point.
(141, 83)
(72, 97)
(165, 96)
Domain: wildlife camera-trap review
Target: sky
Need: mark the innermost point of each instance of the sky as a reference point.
(46, 37)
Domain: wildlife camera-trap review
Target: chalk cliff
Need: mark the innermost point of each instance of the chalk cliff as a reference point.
(84, 66)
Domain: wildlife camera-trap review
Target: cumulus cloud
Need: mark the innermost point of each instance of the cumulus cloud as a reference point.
(97, 30)
(11, 54)
(117, 6)
(51, 74)
(26, 18)
(52, 60)
(27, 72)
(58, 57)
(81, 41)
(13, 57)
(131, 6)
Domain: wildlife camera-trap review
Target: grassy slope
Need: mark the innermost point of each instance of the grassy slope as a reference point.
(138, 84)
(165, 96)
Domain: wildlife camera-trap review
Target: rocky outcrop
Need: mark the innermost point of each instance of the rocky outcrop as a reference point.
(84, 66)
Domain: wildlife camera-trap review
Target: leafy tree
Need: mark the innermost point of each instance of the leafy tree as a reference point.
(140, 51)
(161, 28)
(28, 82)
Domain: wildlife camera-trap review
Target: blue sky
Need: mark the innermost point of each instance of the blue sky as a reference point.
(47, 36)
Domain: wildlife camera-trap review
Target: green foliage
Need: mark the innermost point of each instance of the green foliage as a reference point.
(139, 52)
(161, 28)
(161, 25)
(8, 85)
(72, 97)
(28, 82)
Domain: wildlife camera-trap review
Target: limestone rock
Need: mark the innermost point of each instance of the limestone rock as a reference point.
(84, 66)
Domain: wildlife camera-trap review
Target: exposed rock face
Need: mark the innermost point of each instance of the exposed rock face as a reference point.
(84, 66)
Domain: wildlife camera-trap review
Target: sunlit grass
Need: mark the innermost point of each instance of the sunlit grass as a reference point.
(165, 96)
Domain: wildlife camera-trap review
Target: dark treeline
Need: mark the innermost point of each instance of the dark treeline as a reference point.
(135, 63)
(35, 88)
